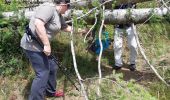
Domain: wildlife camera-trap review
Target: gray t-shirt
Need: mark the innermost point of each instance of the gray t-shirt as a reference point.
(54, 22)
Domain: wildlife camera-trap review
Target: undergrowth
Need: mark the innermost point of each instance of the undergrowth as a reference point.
(15, 70)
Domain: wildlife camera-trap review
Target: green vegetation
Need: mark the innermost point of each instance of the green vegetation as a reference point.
(16, 73)
(12, 60)
(120, 90)
(13, 6)
(11, 54)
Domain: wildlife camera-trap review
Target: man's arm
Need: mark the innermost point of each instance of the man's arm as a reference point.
(41, 32)
(80, 30)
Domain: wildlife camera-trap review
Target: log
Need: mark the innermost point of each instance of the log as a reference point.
(88, 3)
(111, 16)
(123, 16)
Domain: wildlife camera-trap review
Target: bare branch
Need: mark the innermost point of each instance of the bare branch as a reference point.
(101, 49)
(91, 27)
(144, 56)
(165, 4)
(75, 65)
(155, 14)
(89, 12)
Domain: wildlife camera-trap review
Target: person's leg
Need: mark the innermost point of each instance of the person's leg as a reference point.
(132, 44)
(51, 84)
(118, 43)
(41, 67)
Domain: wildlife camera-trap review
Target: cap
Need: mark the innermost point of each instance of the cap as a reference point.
(61, 1)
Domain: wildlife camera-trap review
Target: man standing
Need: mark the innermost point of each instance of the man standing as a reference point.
(45, 24)
(118, 41)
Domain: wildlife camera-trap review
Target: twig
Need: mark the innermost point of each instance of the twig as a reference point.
(3, 92)
(90, 11)
(101, 50)
(75, 65)
(150, 17)
(163, 2)
(77, 1)
(91, 27)
(144, 56)
(141, 49)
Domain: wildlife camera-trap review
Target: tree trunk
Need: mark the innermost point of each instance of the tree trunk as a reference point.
(123, 16)
(88, 3)
(111, 16)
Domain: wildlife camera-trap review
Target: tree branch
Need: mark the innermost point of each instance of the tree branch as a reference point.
(75, 65)
(111, 17)
(144, 56)
(101, 50)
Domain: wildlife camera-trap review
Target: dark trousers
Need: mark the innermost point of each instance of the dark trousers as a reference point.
(45, 70)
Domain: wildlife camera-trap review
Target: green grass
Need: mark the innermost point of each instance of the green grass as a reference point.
(16, 73)
(154, 40)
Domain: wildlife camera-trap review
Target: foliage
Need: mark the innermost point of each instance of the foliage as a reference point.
(155, 18)
(12, 59)
(13, 6)
(95, 3)
(157, 88)
(148, 4)
(84, 58)
(154, 37)
(11, 56)
(119, 89)
(167, 17)
(160, 91)
(151, 36)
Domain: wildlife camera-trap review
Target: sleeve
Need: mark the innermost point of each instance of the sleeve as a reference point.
(44, 13)
(63, 23)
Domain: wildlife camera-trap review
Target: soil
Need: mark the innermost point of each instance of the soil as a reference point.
(143, 75)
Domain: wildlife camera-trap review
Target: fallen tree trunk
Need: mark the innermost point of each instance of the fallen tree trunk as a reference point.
(88, 3)
(124, 16)
(111, 16)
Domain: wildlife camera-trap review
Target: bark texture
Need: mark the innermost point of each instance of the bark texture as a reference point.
(120, 16)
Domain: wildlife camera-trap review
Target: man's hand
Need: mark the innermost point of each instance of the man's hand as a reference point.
(82, 31)
(47, 50)
(41, 33)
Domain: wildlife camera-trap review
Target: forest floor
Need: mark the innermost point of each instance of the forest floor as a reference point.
(18, 89)
(143, 75)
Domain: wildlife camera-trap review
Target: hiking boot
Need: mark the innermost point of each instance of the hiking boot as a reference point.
(117, 67)
(59, 94)
(56, 94)
(132, 67)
